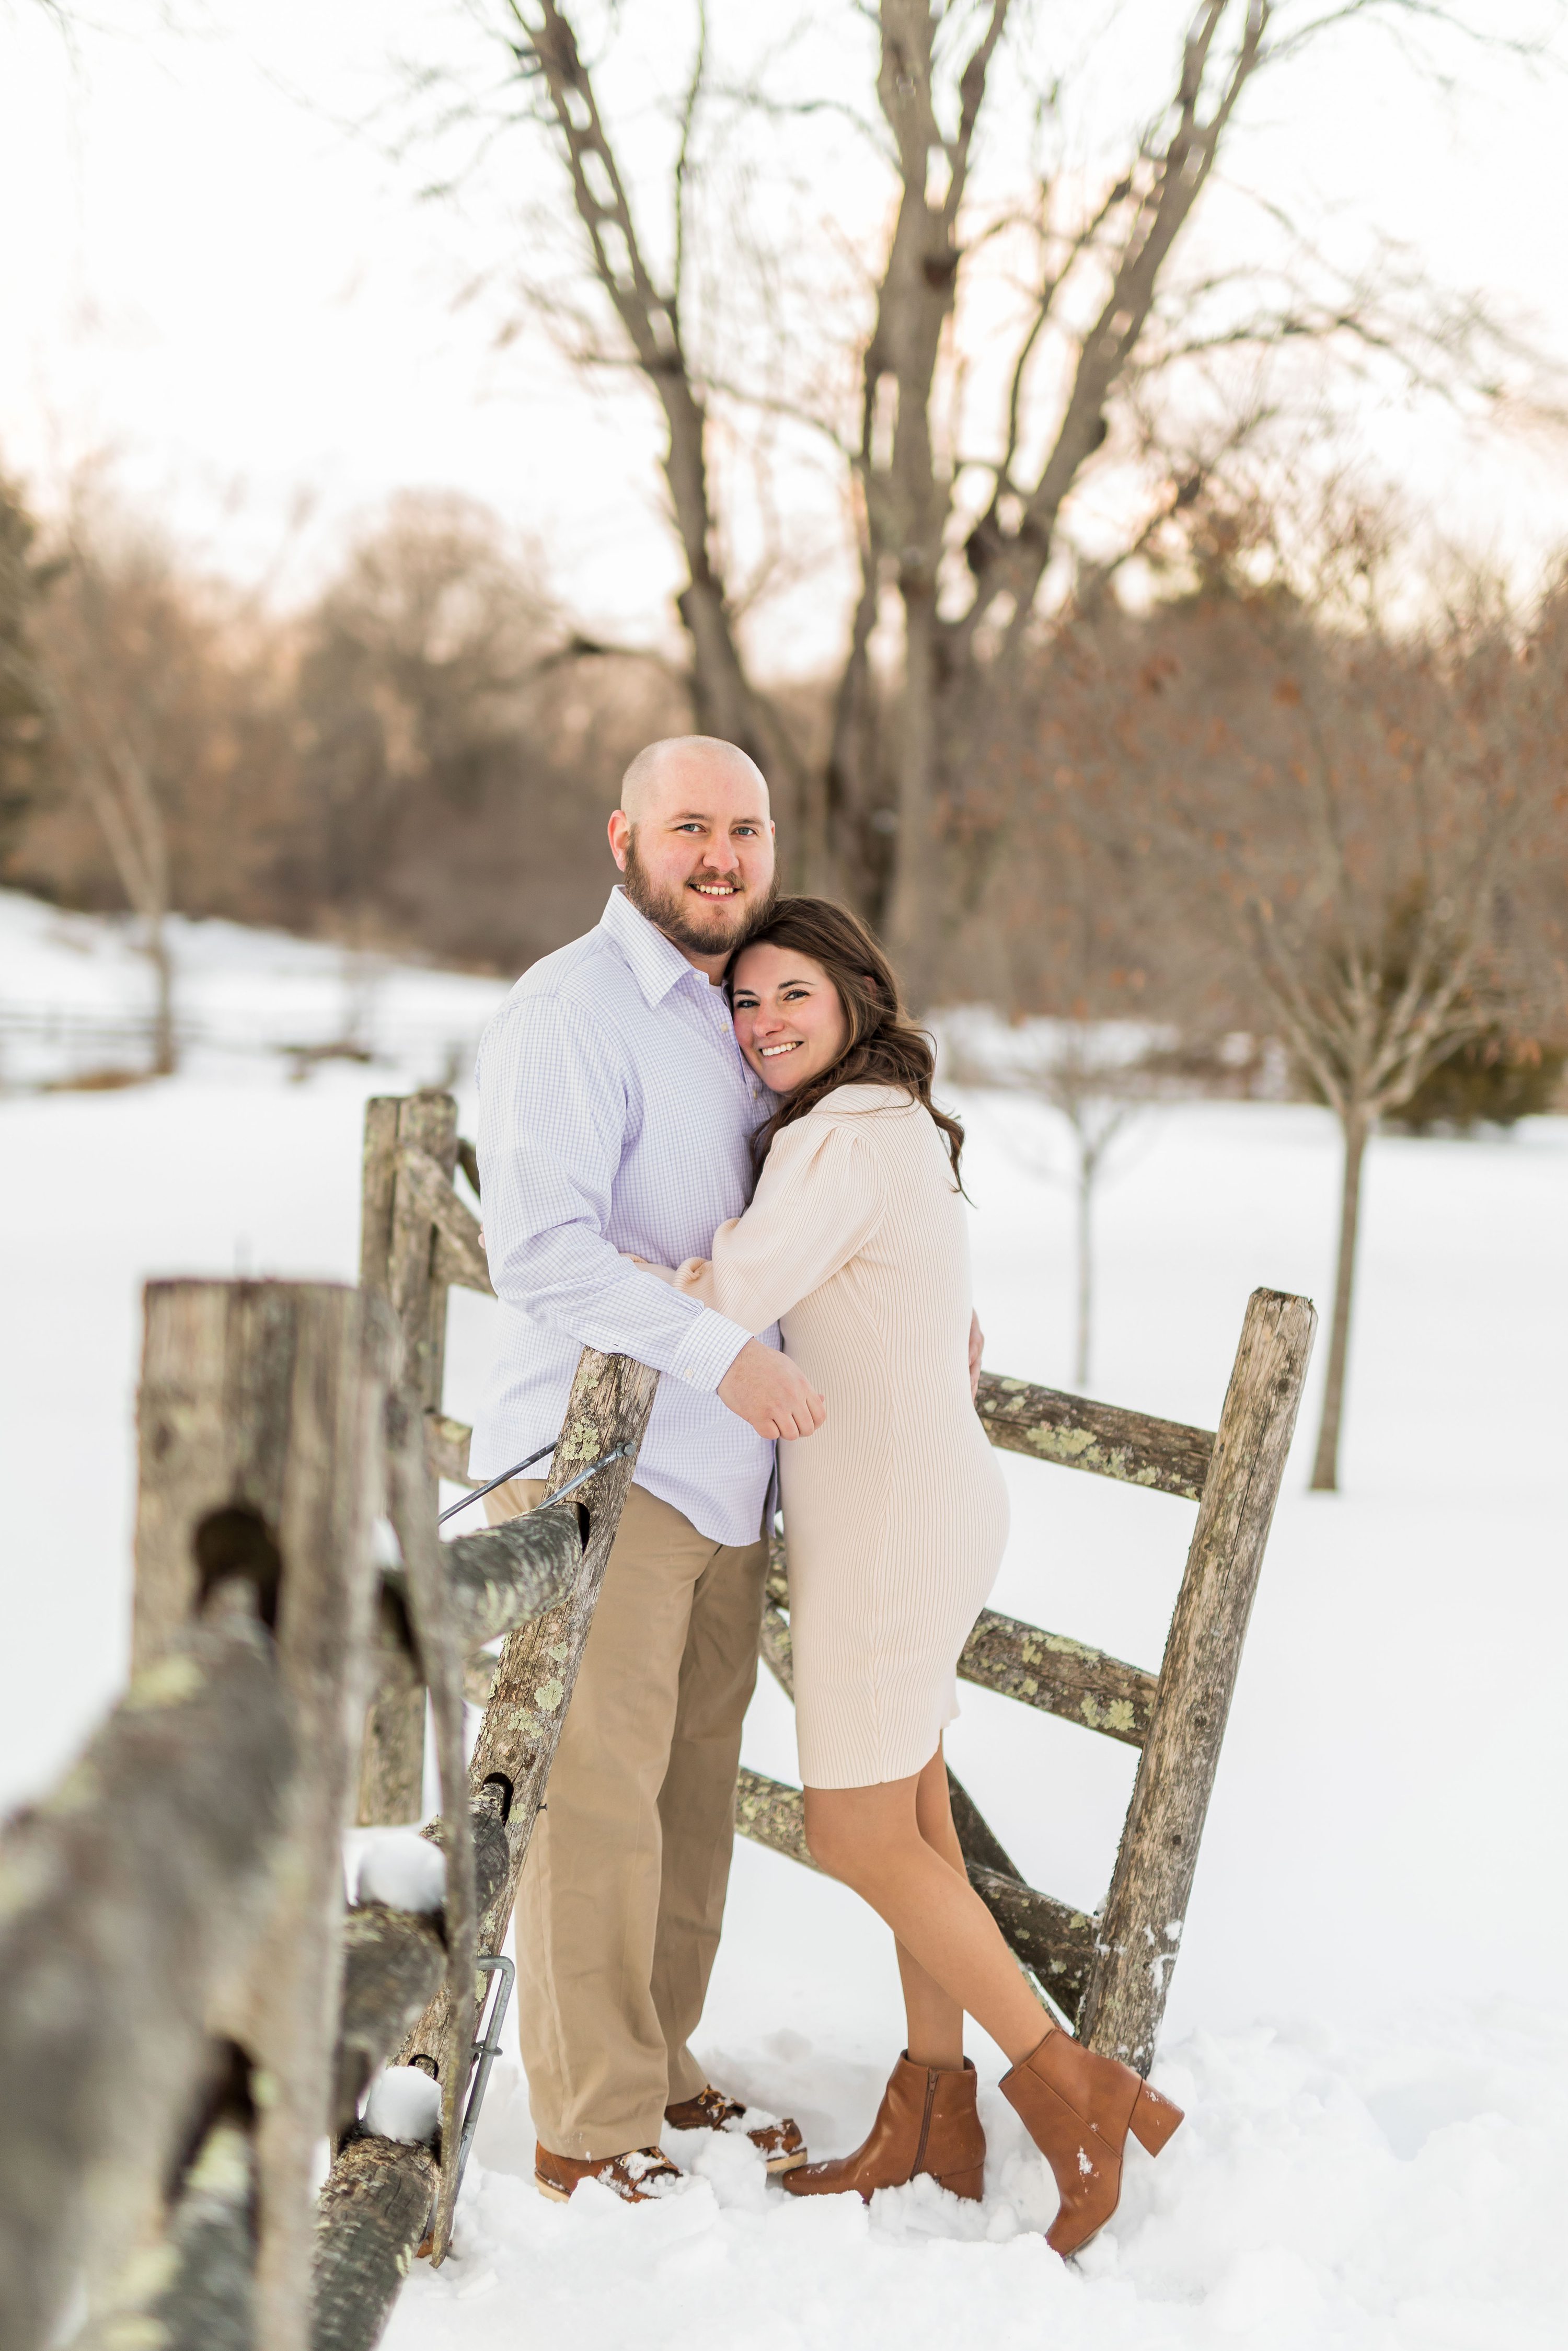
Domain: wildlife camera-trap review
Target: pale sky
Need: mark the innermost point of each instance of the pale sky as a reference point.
(207, 271)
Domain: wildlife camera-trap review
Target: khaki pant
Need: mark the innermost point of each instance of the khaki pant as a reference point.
(622, 1891)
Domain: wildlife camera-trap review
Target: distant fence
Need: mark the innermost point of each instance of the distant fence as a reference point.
(43, 1044)
(190, 2010)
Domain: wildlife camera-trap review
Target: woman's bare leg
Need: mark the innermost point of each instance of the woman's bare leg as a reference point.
(874, 1840)
(936, 2020)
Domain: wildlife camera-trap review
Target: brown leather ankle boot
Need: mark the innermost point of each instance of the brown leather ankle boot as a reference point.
(927, 2121)
(1078, 2109)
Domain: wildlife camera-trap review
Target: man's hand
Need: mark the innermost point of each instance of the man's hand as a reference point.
(976, 1349)
(771, 1393)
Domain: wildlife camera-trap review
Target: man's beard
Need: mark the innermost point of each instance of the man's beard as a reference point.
(719, 927)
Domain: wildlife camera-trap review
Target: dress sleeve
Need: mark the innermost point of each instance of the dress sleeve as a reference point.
(817, 1200)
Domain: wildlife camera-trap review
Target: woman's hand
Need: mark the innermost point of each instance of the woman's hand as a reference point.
(976, 1349)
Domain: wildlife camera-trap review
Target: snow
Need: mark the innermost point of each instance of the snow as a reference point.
(403, 2104)
(403, 1869)
(1369, 2022)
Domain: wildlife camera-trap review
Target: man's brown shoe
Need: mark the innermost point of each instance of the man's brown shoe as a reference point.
(640, 2177)
(927, 2121)
(1078, 2109)
(780, 2142)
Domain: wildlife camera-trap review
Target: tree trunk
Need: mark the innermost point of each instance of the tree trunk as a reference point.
(913, 902)
(1085, 1264)
(158, 955)
(1357, 1127)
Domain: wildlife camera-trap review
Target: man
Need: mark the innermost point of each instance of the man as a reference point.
(616, 1118)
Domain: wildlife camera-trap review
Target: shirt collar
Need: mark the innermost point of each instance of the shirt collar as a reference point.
(655, 963)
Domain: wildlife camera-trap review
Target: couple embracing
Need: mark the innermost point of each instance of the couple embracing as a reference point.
(708, 1141)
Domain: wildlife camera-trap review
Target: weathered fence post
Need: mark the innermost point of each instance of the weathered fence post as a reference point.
(127, 1894)
(261, 1421)
(397, 1257)
(378, 2197)
(611, 1399)
(1146, 1906)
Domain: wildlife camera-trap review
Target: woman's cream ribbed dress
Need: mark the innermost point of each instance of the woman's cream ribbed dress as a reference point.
(895, 1509)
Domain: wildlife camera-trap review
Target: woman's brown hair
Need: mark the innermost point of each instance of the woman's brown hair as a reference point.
(884, 1046)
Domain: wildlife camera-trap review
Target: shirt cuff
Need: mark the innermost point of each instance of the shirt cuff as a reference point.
(710, 1347)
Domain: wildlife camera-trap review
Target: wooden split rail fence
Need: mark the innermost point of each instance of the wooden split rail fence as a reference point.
(189, 2008)
(1108, 1974)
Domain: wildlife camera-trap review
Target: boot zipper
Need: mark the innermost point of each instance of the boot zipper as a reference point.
(925, 2120)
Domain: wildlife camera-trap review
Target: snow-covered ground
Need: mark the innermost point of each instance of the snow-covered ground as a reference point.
(1369, 2024)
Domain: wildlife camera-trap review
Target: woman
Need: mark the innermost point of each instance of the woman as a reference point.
(896, 1516)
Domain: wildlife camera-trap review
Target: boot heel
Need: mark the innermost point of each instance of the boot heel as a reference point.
(1155, 2120)
(964, 2183)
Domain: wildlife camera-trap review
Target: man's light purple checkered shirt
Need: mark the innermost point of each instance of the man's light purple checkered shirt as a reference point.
(616, 1114)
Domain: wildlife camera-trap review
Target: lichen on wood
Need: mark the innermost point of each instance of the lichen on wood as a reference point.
(773, 1814)
(370, 2218)
(1077, 1433)
(506, 1576)
(127, 1895)
(195, 2290)
(1058, 1676)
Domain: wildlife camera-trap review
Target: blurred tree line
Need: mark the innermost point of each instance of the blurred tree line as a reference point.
(419, 758)
(1255, 806)
(1191, 813)
(1251, 800)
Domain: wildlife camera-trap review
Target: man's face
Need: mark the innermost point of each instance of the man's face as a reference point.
(698, 860)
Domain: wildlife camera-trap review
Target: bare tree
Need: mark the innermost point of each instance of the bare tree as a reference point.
(1097, 1077)
(413, 666)
(23, 578)
(454, 770)
(105, 667)
(953, 542)
(1095, 1072)
(1348, 824)
(1396, 947)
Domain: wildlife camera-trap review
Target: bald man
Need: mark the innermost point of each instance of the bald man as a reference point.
(615, 1119)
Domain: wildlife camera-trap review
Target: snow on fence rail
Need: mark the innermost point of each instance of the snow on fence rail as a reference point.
(189, 2010)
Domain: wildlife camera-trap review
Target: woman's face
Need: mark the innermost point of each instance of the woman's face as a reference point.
(789, 1021)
